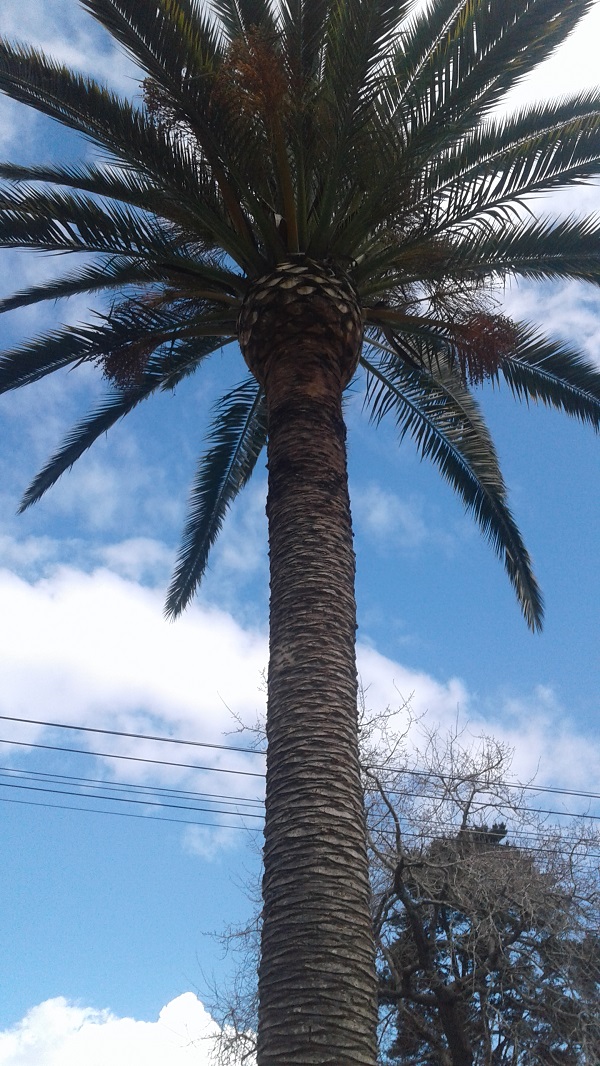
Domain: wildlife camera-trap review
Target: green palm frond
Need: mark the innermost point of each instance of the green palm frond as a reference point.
(122, 274)
(543, 147)
(190, 201)
(119, 273)
(539, 248)
(128, 133)
(555, 374)
(34, 217)
(72, 222)
(36, 358)
(238, 435)
(447, 426)
(181, 50)
(145, 324)
(28, 76)
(356, 37)
(359, 133)
(240, 17)
(194, 280)
(173, 41)
(303, 23)
(114, 406)
(455, 61)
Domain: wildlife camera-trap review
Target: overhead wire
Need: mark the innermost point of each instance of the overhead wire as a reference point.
(125, 799)
(89, 782)
(519, 835)
(161, 790)
(131, 758)
(248, 773)
(530, 847)
(550, 789)
(207, 797)
(128, 814)
(134, 736)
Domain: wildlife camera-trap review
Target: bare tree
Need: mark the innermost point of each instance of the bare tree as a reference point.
(486, 915)
(485, 910)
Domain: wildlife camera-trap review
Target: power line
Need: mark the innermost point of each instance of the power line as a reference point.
(89, 782)
(549, 789)
(219, 825)
(484, 805)
(431, 828)
(553, 790)
(170, 792)
(248, 773)
(127, 814)
(130, 758)
(134, 736)
(126, 799)
(520, 835)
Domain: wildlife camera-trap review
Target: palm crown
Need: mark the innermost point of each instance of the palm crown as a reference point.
(354, 134)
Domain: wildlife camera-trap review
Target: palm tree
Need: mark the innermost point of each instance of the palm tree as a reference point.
(326, 182)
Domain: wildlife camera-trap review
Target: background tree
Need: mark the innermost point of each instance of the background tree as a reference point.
(487, 918)
(325, 182)
(486, 913)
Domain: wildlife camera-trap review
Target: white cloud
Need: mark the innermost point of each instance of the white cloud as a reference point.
(547, 743)
(574, 66)
(59, 1033)
(389, 684)
(31, 553)
(385, 517)
(94, 649)
(207, 843)
(393, 523)
(570, 310)
(241, 548)
(138, 558)
(65, 32)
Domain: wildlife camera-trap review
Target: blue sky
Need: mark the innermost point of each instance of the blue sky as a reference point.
(110, 915)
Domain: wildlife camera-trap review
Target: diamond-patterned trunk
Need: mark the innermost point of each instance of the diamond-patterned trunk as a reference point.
(300, 331)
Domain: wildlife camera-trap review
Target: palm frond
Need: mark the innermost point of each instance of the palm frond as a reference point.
(77, 223)
(238, 435)
(542, 148)
(129, 134)
(357, 35)
(34, 359)
(539, 248)
(555, 374)
(78, 102)
(447, 426)
(181, 50)
(303, 23)
(171, 40)
(113, 407)
(455, 61)
(239, 17)
(188, 199)
(58, 219)
(119, 273)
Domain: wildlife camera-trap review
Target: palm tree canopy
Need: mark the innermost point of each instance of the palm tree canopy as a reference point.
(357, 136)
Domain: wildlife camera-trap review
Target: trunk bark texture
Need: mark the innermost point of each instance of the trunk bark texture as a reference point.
(317, 987)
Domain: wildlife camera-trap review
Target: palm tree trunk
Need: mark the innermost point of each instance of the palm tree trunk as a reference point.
(317, 988)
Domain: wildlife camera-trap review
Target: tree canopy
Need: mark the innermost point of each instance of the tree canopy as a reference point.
(361, 136)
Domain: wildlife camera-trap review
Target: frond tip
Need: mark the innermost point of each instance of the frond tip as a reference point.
(238, 435)
(447, 426)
